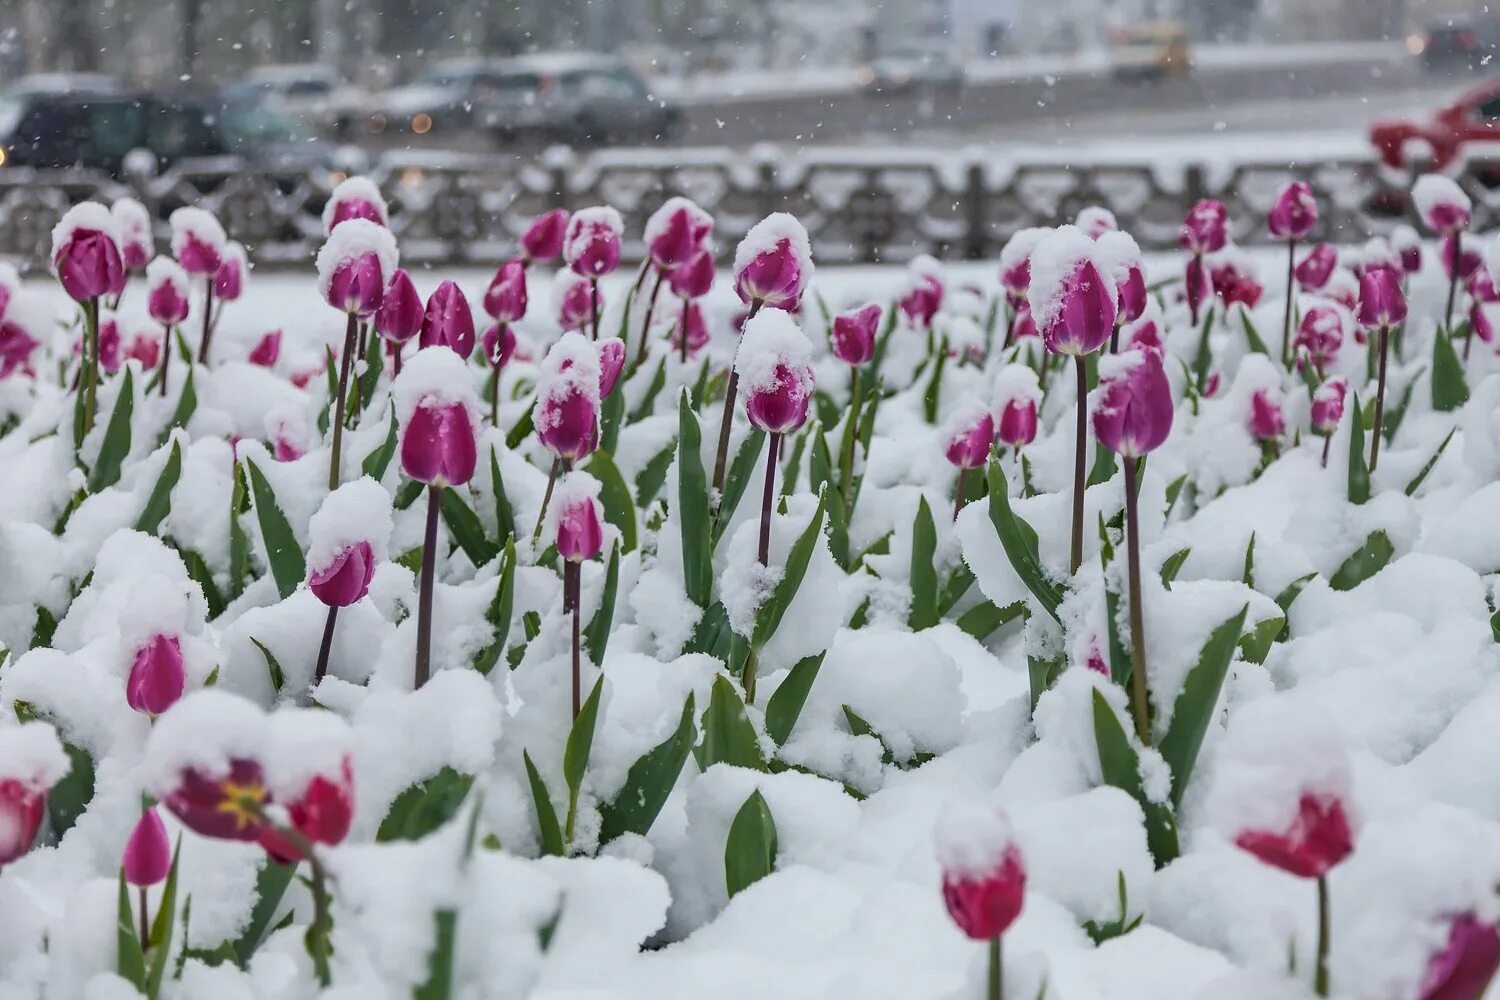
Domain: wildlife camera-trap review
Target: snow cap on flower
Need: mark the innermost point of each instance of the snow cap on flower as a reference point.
(591, 246)
(158, 675)
(133, 228)
(356, 261)
(401, 311)
(1095, 221)
(1232, 272)
(567, 397)
(1313, 270)
(1409, 245)
(1321, 332)
(1266, 419)
(773, 263)
(967, 434)
(695, 277)
(572, 300)
(448, 320)
(1328, 404)
(924, 291)
(1133, 407)
(229, 278)
(147, 857)
(32, 760)
(167, 291)
(1015, 261)
(1295, 212)
(1381, 300)
(1206, 228)
(1441, 203)
(1119, 254)
(543, 239)
(984, 877)
(611, 362)
(355, 198)
(853, 334)
(86, 252)
(1017, 395)
(436, 406)
(1378, 252)
(775, 372)
(203, 763)
(266, 350)
(1072, 298)
(577, 517)
(347, 538)
(197, 240)
(309, 772)
(676, 231)
(1460, 255)
(505, 298)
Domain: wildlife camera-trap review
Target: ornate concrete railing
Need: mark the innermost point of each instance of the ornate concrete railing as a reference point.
(859, 206)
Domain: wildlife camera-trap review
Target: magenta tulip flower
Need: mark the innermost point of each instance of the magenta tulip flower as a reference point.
(448, 320)
(983, 877)
(229, 278)
(1320, 335)
(924, 296)
(1015, 264)
(1206, 228)
(853, 334)
(1466, 964)
(1295, 212)
(354, 265)
(1441, 203)
(591, 246)
(1134, 409)
(133, 230)
(345, 579)
(147, 857)
(322, 812)
(676, 232)
(438, 445)
(1409, 246)
(1018, 423)
(1382, 303)
(355, 198)
(198, 241)
(85, 253)
(690, 333)
(401, 312)
(157, 676)
(967, 436)
(505, 299)
(611, 362)
(693, 278)
(1072, 300)
(1267, 422)
(572, 299)
(1314, 270)
(773, 263)
(499, 344)
(543, 239)
(267, 350)
(167, 291)
(580, 517)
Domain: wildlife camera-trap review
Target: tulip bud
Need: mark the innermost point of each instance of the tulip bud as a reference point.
(591, 246)
(1025, 325)
(354, 265)
(1118, 254)
(611, 361)
(1466, 964)
(1095, 221)
(775, 373)
(283, 448)
(355, 198)
(133, 230)
(399, 317)
(109, 343)
(1381, 300)
(448, 320)
(1441, 203)
(17, 343)
(543, 239)
(1206, 228)
(1482, 318)
(1145, 335)
(157, 677)
(435, 401)
(229, 279)
(572, 301)
(346, 579)
(147, 857)
(267, 350)
(322, 813)
(966, 436)
(1328, 405)
(1015, 262)
(31, 762)
(1460, 257)
(1018, 423)
(567, 407)
(579, 517)
(505, 299)
(695, 277)
(1133, 409)
(197, 241)
(984, 878)
(924, 296)
(1195, 283)
(144, 347)
(1409, 246)
(773, 263)
(1267, 423)
(1295, 212)
(86, 252)
(1312, 271)
(166, 291)
(1072, 299)
(1321, 334)
(1233, 277)
(499, 344)
(1318, 838)
(691, 325)
(676, 232)
(853, 334)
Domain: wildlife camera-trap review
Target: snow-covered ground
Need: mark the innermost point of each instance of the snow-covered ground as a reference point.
(918, 675)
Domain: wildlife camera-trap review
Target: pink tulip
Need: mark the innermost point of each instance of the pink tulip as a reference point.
(85, 255)
(1441, 203)
(109, 343)
(574, 302)
(543, 239)
(133, 224)
(695, 277)
(16, 347)
(1133, 411)
(22, 806)
(448, 320)
(693, 326)
(1382, 303)
(1267, 422)
(984, 877)
(853, 334)
(775, 374)
(1018, 420)
(1317, 840)
(144, 347)
(357, 286)
(322, 813)
(1460, 259)
(166, 291)
(400, 315)
(676, 232)
(1328, 405)
(354, 265)
(1320, 335)
(346, 578)
(499, 344)
(267, 350)
(1481, 285)
(225, 806)
(1081, 322)
(229, 278)
(1025, 325)
(197, 241)
(1466, 965)
(157, 677)
(1295, 212)
(567, 408)
(284, 449)
(1482, 320)
(1206, 228)
(1312, 271)
(1196, 284)
(1132, 296)
(1234, 281)
(1015, 263)
(591, 246)
(580, 518)
(1409, 246)
(438, 444)
(780, 405)
(611, 361)
(925, 296)
(148, 854)
(967, 437)
(355, 198)
(505, 299)
(773, 263)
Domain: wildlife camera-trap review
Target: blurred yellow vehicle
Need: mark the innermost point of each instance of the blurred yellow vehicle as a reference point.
(1150, 50)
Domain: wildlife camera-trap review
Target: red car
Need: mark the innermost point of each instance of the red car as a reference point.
(1473, 118)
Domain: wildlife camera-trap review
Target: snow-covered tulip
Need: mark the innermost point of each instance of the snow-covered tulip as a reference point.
(86, 253)
(1017, 426)
(1460, 257)
(227, 804)
(1118, 254)
(399, 317)
(157, 675)
(1466, 964)
(966, 438)
(773, 263)
(572, 301)
(356, 261)
(1095, 221)
(695, 277)
(144, 347)
(568, 398)
(17, 343)
(924, 295)
(1019, 397)
(322, 814)
(438, 443)
(198, 241)
(1294, 213)
(543, 239)
(266, 350)
(580, 517)
(1266, 420)
(505, 298)
(147, 857)
(1320, 335)
(1015, 264)
(22, 806)
(355, 198)
(1328, 410)
(853, 334)
(1317, 839)
(345, 579)
(109, 343)
(167, 291)
(1382, 303)
(1206, 228)
(675, 232)
(984, 877)
(347, 539)
(1409, 246)
(1025, 324)
(1133, 411)
(1313, 271)
(591, 245)
(229, 277)
(448, 320)
(1132, 297)
(773, 368)
(611, 363)
(499, 344)
(1234, 280)
(1441, 203)
(1144, 335)
(32, 760)
(133, 228)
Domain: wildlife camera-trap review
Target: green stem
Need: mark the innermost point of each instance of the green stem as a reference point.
(846, 477)
(541, 515)
(1320, 973)
(997, 971)
(1286, 322)
(335, 469)
(1380, 400)
(1139, 692)
(424, 595)
(1080, 447)
(90, 363)
(728, 420)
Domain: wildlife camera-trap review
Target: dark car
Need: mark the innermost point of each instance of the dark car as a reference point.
(1459, 43)
(100, 130)
(579, 97)
(450, 95)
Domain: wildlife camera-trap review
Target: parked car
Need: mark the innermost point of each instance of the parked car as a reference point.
(99, 131)
(308, 93)
(578, 97)
(1474, 117)
(1151, 51)
(447, 95)
(930, 67)
(1458, 43)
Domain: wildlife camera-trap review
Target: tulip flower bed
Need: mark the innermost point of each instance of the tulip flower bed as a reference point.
(1081, 626)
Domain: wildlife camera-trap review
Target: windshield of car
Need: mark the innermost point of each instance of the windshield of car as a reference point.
(256, 124)
(12, 109)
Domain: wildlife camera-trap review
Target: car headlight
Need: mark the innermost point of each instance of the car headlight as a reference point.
(421, 123)
(1416, 44)
(3, 156)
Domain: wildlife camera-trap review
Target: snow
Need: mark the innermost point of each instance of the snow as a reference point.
(972, 839)
(204, 731)
(1433, 191)
(771, 232)
(771, 341)
(1053, 261)
(657, 224)
(434, 376)
(163, 271)
(359, 511)
(31, 754)
(355, 189)
(351, 240)
(198, 223)
(86, 215)
(585, 223)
